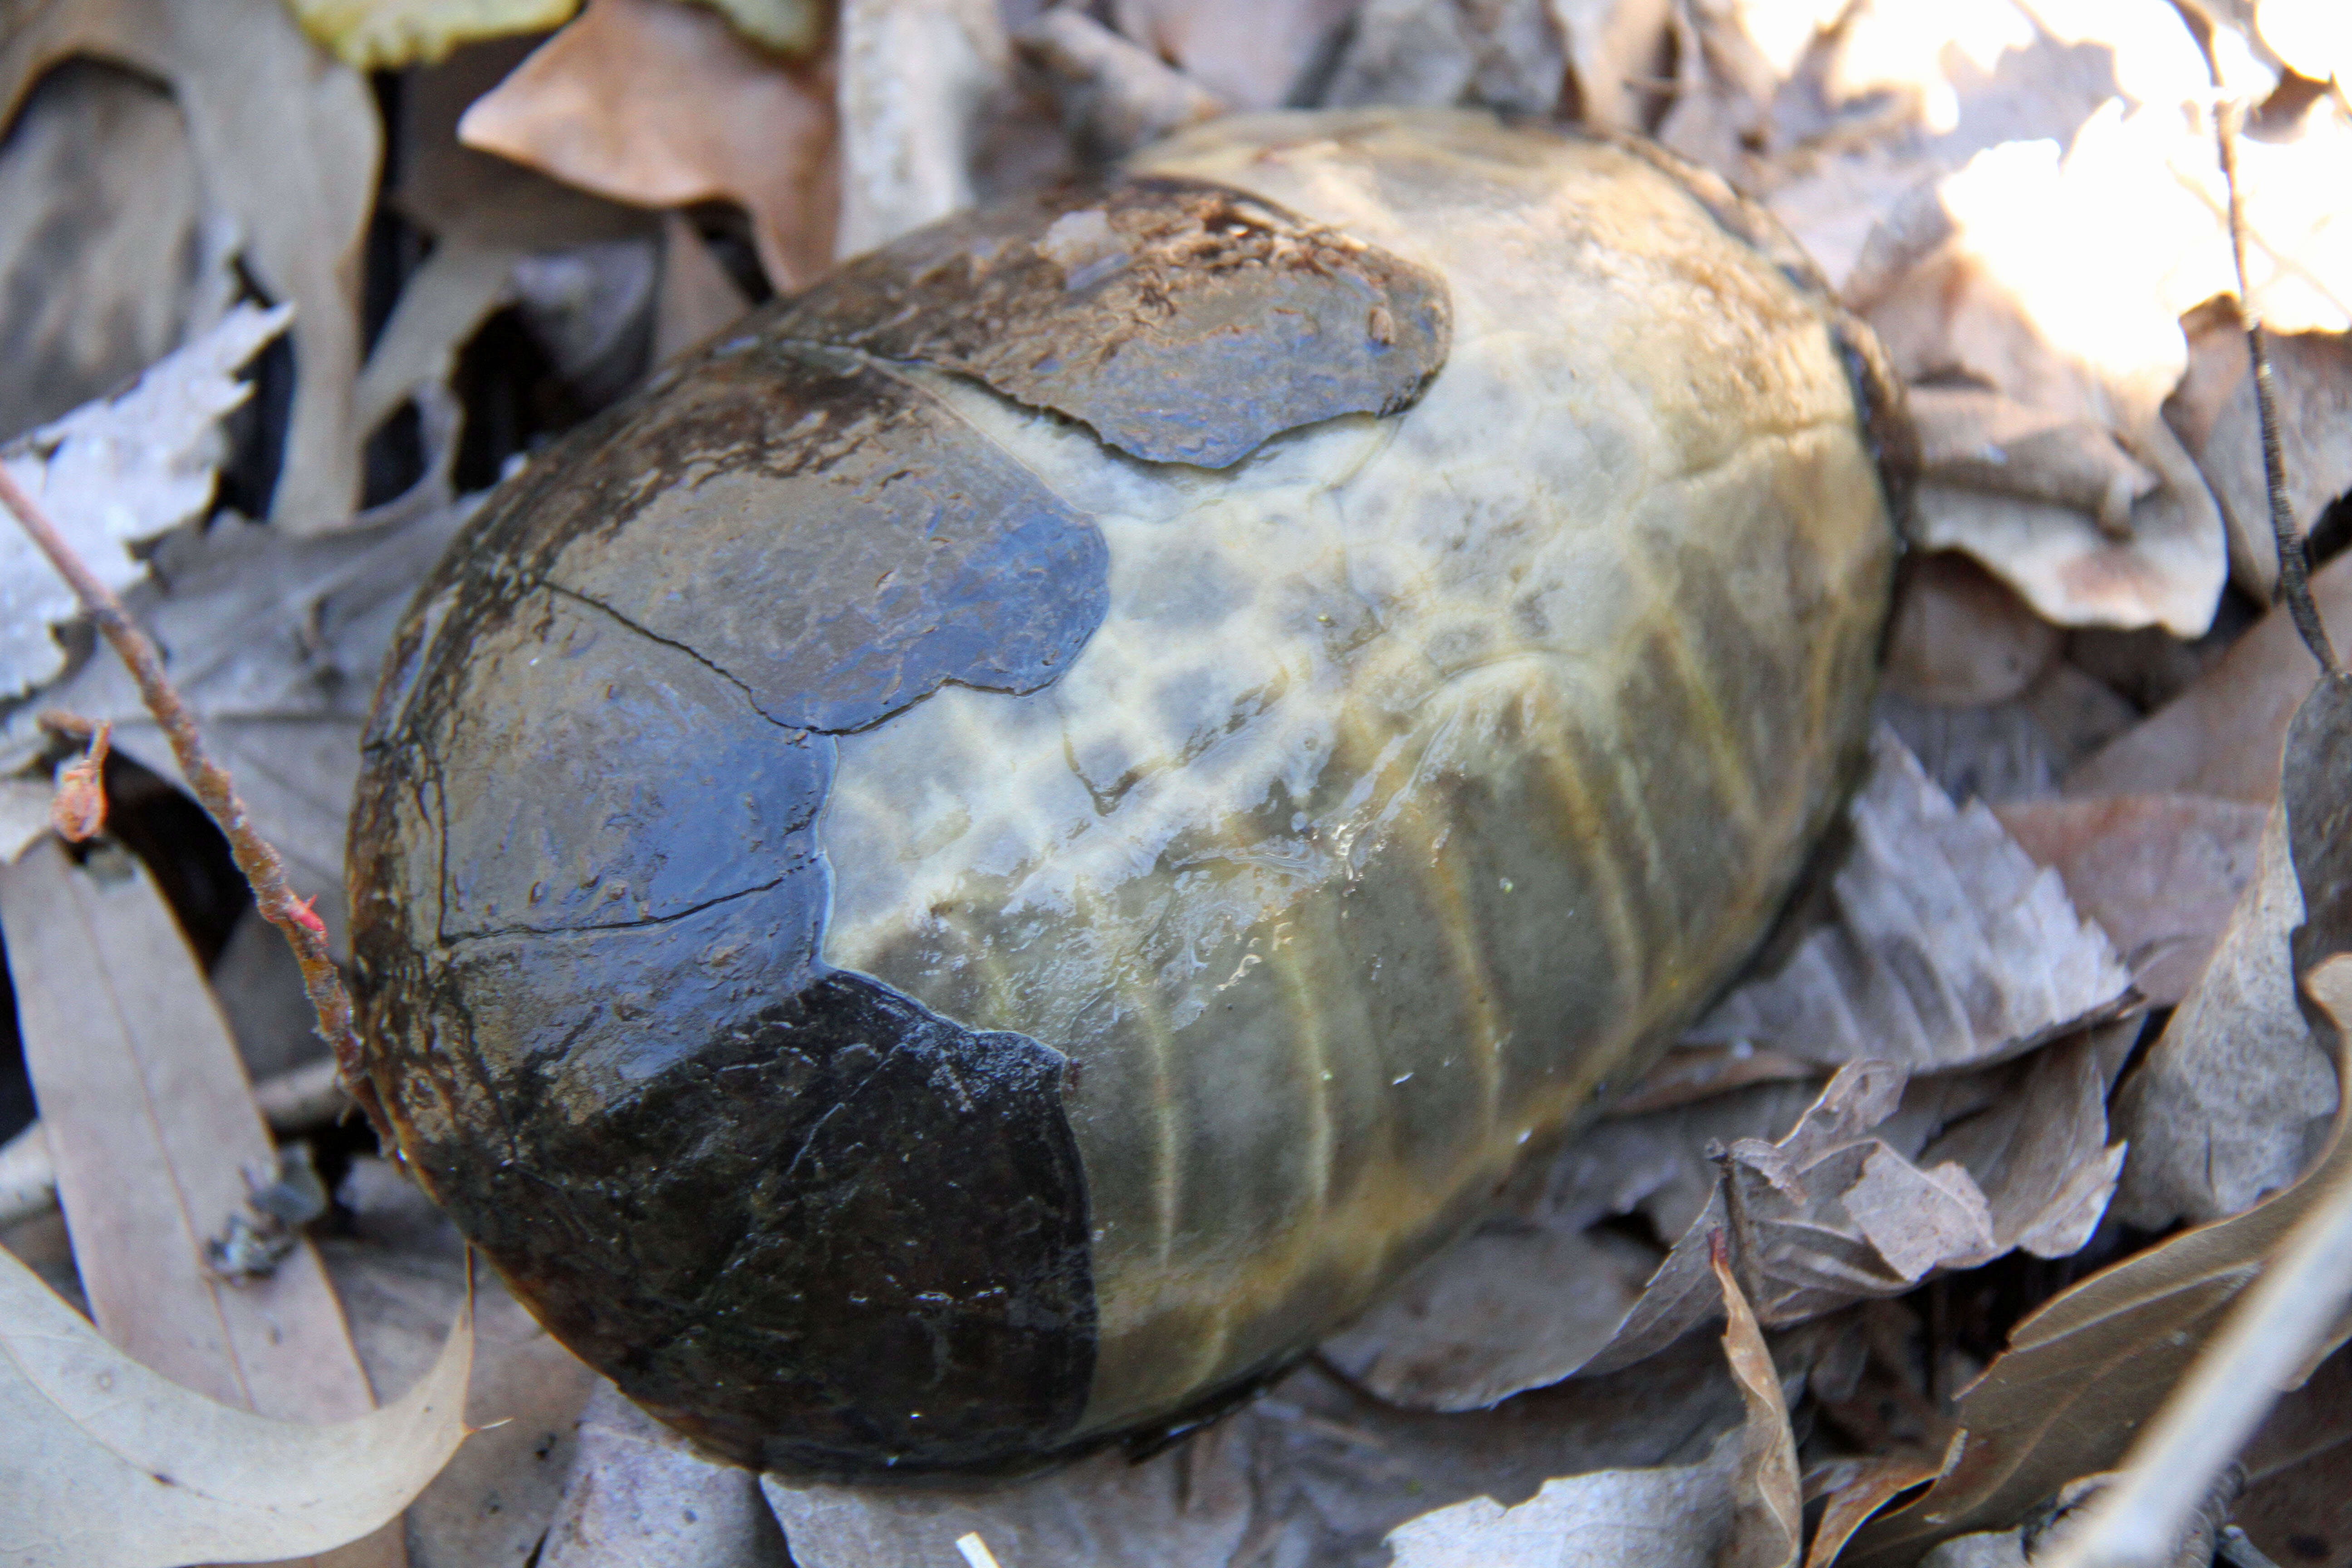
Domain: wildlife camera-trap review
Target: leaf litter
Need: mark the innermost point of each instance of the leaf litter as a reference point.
(1910, 1122)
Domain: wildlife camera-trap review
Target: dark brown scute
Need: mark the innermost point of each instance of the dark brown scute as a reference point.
(1179, 321)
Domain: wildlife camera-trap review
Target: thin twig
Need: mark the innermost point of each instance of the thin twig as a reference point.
(2293, 560)
(305, 933)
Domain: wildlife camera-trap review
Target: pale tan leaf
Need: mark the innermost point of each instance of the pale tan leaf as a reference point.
(637, 1493)
(1983, 441)
(1618, 50)
(2314, 37)
(1948, 946)
(658, 103)
(2160, 873)
(108, 1464)
(696, 300)
(392, 34)
(288, 143)
(1115, 95)
(1961, 638)
(916, 78)
(115, 473)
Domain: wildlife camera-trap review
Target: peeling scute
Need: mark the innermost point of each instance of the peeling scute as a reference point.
(830, 538)
(1181, 321)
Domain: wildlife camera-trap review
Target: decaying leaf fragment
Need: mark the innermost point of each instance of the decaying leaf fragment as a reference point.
(1949, 946)
(638, 1494)
(658, 103)
(116, 473)
(103, 1464)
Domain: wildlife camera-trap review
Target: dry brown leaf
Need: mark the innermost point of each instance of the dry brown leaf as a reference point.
(288, 142)
(1961, 639)
(638, 1494)
(2223, 735)
(658, 103)
(392, 34)
(1948, 946)
(1768, 1526)
(2012, 750)
(1253, 54)
(2298, 1502)
(111, 1466)
(2086, 1369)
(2158, 873)
(104, 252)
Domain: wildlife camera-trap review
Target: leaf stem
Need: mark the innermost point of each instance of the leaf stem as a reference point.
(304, 932)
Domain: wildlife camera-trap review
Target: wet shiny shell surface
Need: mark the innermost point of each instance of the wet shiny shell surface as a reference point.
(984, 862)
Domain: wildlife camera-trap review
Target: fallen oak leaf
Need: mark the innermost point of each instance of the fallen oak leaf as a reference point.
(105, 1464)
(658, 104)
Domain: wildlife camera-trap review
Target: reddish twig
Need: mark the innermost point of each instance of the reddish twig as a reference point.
(304, 932)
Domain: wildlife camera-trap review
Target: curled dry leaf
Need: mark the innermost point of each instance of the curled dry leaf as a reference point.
(2158, 873)
(110, 1466)
(392, 34)
(287, 142)
(1948, 945)
(2086, 1369)
(1738, 1509)
(115, 473)
(658, 103)
(77, 811)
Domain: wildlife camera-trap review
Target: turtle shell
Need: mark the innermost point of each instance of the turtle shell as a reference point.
(984, 862)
